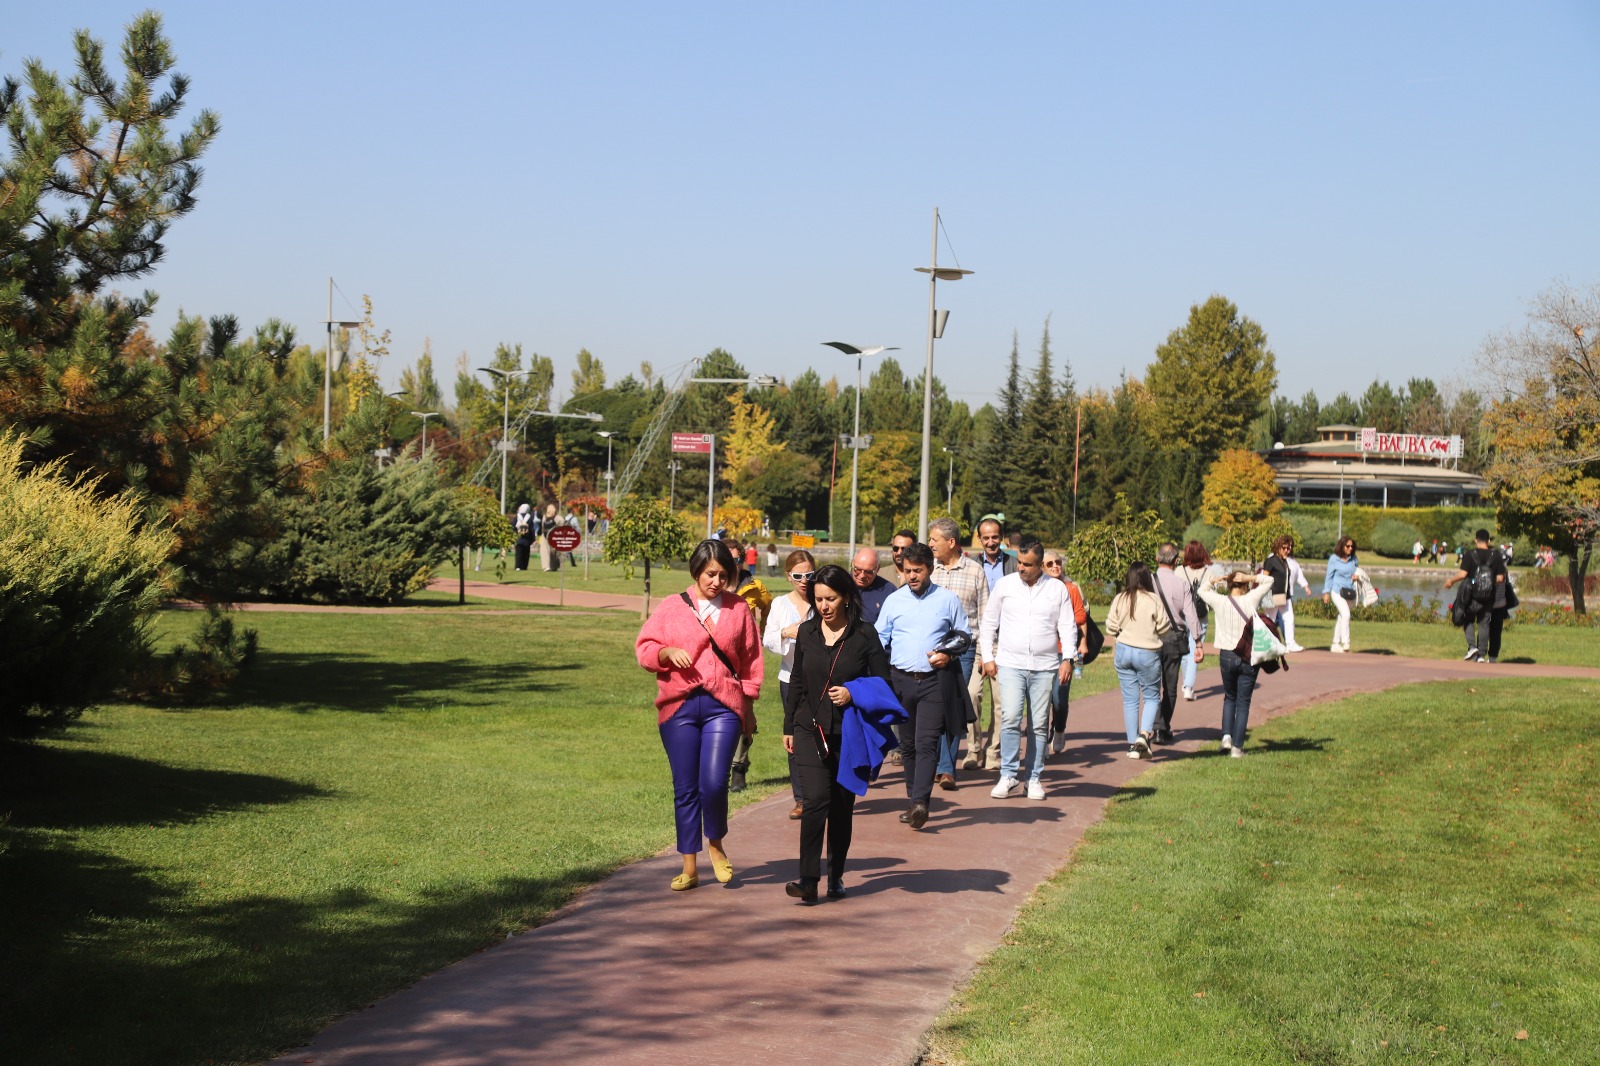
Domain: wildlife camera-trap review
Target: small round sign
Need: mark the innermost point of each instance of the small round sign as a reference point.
(564, 538)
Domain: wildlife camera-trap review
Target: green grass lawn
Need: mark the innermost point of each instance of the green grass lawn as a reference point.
(1403, 877)
(603, 576)
(387, 794)
(1551, 645)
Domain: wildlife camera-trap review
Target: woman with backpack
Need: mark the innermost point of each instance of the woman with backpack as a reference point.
(1197, 571)
(1339, 589)
(1485, 568)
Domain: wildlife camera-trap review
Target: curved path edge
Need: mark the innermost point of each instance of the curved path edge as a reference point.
(630, 972)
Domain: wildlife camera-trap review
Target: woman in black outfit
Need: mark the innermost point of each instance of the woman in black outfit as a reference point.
(832, 646)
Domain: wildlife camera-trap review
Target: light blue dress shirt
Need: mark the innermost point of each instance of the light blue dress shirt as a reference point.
(1341, 574)
(910, 625)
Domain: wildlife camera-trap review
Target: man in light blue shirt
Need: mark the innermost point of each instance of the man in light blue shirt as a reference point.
(928, 683)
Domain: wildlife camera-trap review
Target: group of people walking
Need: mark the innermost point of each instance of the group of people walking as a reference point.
(856, 650)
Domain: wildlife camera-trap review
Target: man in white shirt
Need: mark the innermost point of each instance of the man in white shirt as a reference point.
(1027, 622)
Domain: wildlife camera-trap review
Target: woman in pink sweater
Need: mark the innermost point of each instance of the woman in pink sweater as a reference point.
(705, 651)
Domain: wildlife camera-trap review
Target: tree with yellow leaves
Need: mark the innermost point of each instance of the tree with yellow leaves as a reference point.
(1240, 487)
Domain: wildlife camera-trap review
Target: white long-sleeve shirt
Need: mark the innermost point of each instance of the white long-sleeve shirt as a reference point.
(1026, 626)
(783, 614)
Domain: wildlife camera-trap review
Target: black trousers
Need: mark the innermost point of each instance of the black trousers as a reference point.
(829, 806)
(522, 554)
(919, 735)
(1171, 677)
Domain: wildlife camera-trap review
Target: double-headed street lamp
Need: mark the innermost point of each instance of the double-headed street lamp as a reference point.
(857, 441)
(936, 321)
(327, 363)
(425, 415)
(505, 446)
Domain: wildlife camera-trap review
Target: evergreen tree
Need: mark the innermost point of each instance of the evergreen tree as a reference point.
(1031, 487)
(992, 495)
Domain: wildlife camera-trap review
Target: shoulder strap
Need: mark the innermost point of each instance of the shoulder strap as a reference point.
(715, 647)
(1177, 623)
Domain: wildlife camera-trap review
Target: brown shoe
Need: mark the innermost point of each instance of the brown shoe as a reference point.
(794, 815)
(893, 757)
(946, 782)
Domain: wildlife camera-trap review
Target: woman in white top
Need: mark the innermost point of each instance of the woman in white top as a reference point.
(1234, 601)
(783, 622)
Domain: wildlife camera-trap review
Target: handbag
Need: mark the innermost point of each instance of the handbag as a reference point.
(1093, 638)
(1348, 594)
(1175, 641)
(1260, 643)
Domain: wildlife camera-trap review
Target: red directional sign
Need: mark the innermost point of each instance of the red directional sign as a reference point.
(564, 539)
(692, 442)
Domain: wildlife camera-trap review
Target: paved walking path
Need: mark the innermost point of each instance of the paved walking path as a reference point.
(634, 973)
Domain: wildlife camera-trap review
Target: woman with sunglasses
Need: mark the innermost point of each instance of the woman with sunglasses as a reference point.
(783, 625)
(1055, 566)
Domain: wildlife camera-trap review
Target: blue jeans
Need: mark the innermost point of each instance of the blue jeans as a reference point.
(1190, 667)
(948, 744)
(1139, 673)
(1017, 687)
(1238, 685)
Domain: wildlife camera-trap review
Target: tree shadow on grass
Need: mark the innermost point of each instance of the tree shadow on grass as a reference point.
(1288, 744)
(346, 681)
(226, 981)
(56, 787)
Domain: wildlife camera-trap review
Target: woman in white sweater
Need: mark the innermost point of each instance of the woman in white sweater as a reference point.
(1136, 621)
(783, 623)
(1234, 601)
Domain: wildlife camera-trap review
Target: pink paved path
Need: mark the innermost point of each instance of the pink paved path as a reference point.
(633, 973)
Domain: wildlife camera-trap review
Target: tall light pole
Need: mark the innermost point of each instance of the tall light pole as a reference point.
(949, 481)
(857, 441)
(936, 321)
(760, 381)
(608, 434)
(673, 466)
(425, 415)
(505, 445)
(327, 364)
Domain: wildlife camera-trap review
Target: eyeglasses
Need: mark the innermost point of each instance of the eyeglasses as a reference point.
(1054, 564)
(863, 570)
(808, 576)
(897, 548)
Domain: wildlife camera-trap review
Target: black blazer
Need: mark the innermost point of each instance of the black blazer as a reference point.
(860, 653)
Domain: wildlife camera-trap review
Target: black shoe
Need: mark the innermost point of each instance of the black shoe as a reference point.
(836, 888)
(1163, 736)
(917, 816)
(736, 781)
(804, 890)
(905, 816)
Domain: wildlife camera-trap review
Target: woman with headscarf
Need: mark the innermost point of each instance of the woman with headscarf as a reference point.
(522, 526)
(833, 646)
(703, 647)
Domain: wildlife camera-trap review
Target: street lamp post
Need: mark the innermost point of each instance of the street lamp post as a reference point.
(327, 364)
(1341, 464)
(673, 466)
(505, 424)
(950, 482)
(425, 415)
(936, 321)
(857, 441)
(608, 434)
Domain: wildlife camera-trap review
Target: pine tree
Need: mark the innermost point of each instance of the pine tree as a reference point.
(1031, 490)
(993, 495)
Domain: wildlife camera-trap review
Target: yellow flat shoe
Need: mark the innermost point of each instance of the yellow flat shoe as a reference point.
(684, 882)
(723, 868)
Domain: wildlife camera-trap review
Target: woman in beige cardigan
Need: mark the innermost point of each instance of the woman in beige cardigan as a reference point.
(1234, 601)
(1137, 619)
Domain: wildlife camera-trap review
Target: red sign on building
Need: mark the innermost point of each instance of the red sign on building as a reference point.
(692, 442)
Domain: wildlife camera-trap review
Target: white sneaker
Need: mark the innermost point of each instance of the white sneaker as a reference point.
(1472, 653)
(1293, 647)
(1035, 789)
(1058, 743)
(1188, 694)
(1336, 649)
(1227, 741)
(1236, 753)
(1007, 788)
(1133, 753)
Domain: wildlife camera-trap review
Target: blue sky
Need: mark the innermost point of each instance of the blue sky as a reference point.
(1379, 185)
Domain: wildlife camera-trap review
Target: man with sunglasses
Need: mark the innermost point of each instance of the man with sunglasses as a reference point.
(874, 588)
(898, 544)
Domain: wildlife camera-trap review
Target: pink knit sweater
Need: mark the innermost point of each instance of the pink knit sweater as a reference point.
(673, 624)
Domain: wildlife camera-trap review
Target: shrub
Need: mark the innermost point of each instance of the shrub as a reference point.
(1394, 538)
(1316, 533)
(1252, 541)
(184, 675)
(1204, 532)
(79, 576)
(1553, 614)
(646, 529)
(1102, 552)
(363, 536)
(1385, 610)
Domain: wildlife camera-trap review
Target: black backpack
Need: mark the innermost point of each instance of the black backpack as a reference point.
(1201, 611)
(1483, 581)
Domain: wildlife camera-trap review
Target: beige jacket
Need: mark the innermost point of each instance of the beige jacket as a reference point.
(1142, 626)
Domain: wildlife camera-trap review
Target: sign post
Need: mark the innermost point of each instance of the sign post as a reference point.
(564, 539)
(697, 443)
